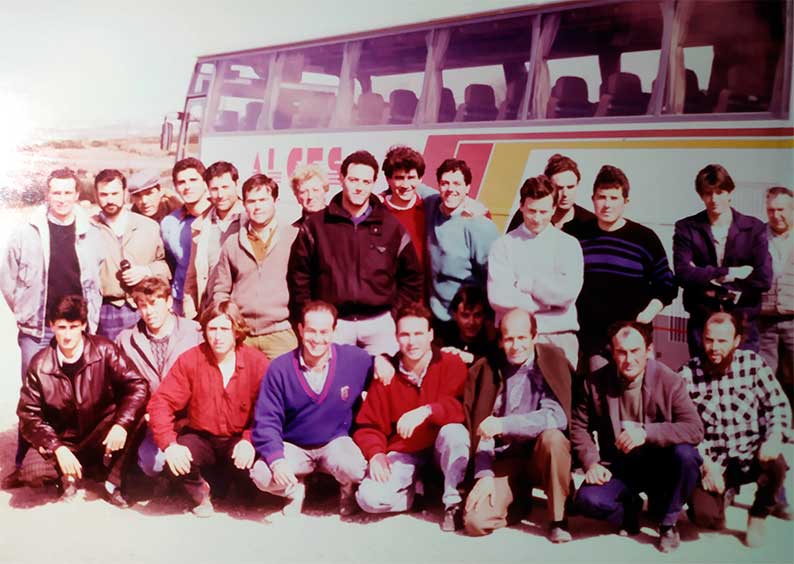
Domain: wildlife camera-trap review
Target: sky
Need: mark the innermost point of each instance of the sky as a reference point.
(94, 63)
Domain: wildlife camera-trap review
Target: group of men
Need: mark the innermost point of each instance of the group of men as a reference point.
(380, 336)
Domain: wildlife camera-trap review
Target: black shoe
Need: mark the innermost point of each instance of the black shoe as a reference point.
(13, 480)
(117, 498)
(347, 501)
(669, 539)
(631, 518)
(453, 518)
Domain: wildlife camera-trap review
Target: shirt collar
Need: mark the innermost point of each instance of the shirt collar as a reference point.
(78, 353)
(306, 368)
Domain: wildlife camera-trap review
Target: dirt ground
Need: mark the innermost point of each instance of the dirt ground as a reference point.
(36, 528)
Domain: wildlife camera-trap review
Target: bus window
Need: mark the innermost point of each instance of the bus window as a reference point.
(240, 94)
(308, 85)
(622, 39)
(484, 71)
(745, 52)
(202, 76)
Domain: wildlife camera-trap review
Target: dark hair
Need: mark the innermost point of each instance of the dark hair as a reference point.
(186, 164)
(70, 308)
(779, 191)
(720, 317)
(714, 176)
(62, 174)
(230, 310)
(109, 175)
(415, 309)
(644, 329)
(362, 158)
(538, 187)
(260, 181)
(219, 169)
(611, 177)
(404, 158)
(560, 163)
(533, 323)
(470, 296)
(318, 305)
(153, 286)
(453, 165)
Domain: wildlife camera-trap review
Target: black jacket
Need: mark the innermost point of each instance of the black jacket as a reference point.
(363, 270)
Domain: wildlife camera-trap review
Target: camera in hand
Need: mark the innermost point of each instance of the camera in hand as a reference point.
(124, 265)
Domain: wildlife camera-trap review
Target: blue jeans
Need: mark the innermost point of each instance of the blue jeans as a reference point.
(151, 460)
(28, 347)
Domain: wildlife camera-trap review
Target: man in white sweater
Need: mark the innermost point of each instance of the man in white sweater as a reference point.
(539, 269)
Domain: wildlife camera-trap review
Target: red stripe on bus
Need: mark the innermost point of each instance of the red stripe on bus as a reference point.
(476, 156)
(449, 140)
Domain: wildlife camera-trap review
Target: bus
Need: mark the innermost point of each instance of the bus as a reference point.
(659, 88)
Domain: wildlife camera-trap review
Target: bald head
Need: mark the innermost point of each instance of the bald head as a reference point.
(518, 331)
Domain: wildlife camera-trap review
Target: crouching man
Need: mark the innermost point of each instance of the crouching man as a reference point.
(746, 416)
(517, 407)
(647, 431)
(80, 401)
(305, 411)
(401, 427)
(217, 384)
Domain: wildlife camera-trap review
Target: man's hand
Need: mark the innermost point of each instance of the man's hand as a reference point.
(243, 455)
(737, 273)
(383, 370)
(115, 438)
(379, 468)
(466, 357)
(68, 462)
(648, 314)
(631, 438)
(283, 475)
(473, 208)
(178, 458)
(482, 492)
(410, 420)
(771, 448)
(135, 274)
(597, 475)
(490, 427)
(711, 476)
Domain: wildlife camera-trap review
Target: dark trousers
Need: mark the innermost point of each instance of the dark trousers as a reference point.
(209, 452)
(708, 508)
(666, 474)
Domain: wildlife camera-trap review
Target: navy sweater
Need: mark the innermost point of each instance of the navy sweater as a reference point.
(288, 409)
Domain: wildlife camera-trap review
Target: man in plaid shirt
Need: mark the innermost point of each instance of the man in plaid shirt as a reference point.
(746, 417)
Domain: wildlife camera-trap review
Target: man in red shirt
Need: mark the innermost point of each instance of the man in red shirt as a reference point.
(404, 168)
(218, 431)
(403, 425)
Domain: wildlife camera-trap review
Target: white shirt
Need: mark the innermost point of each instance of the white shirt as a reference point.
(315, 376)
(542, 274)
(78, 352)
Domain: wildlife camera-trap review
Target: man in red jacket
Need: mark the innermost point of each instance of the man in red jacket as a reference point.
(401, 425)
(217, 383)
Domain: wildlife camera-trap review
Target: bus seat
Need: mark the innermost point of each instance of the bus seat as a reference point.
(744, 91)
(447, 108)
(370, 109)
(514, 94)
(252, 112)
(226, 121)
(569, 99)
(479, 104)
(402, 105)
(315, 111)
(623, 96)
(695, 101)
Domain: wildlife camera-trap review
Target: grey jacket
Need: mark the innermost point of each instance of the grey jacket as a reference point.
(24, 271)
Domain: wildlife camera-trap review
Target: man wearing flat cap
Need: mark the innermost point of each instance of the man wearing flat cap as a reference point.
(148, 197)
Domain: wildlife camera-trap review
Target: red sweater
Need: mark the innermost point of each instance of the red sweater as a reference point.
(195, 382)
(442, 390)
(413, 219)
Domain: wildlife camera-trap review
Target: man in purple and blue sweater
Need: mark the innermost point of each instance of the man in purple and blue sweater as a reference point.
(305, 409)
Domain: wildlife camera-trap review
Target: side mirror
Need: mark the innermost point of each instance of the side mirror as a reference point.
(166, 135)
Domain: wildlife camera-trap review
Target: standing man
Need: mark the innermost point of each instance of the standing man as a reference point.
(56, 253)
(458, 246)
(747, 417)
(647, 430)
(404, 169)
(147, 196)
(176, 227)
(210, 231)
(217, 384)
(517, 407)
(153, 345)
(252, 270)
(777, 308)
(356, 256)
(132, 249)
(721, 260)
(568, 215)
(402, 426)
(310, 185)
(539, 269)
(626, 273)
(80, 403)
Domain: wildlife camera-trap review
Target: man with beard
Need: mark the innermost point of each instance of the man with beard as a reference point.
(132, 249)
(746, 417)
